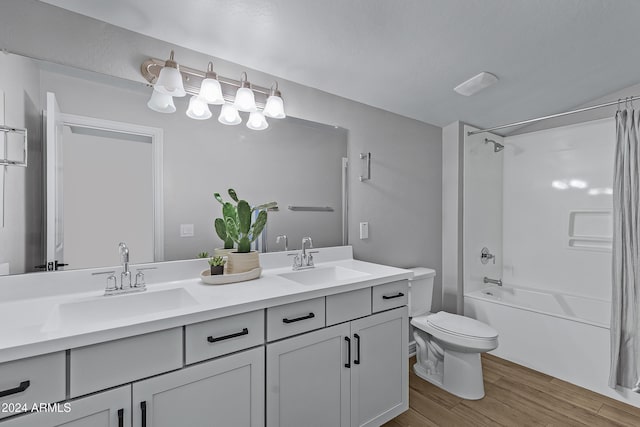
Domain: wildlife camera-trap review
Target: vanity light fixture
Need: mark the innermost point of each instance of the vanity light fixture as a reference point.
(161, 102)
(275, 106)
(245, 100)
(229, 115)
(169, 80)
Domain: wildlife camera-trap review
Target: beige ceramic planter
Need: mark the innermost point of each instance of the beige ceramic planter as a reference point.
(242, 262)
(222, 252)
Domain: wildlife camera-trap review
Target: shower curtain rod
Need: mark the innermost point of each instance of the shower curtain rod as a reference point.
(552, 116)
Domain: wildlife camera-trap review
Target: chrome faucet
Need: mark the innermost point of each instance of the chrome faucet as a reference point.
(304, 259)
(492, 281)
(285, 239)
(125, 277)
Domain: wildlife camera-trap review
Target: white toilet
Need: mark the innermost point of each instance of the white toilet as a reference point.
(448, 346)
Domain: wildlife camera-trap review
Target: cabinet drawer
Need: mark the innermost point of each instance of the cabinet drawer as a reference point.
(348, 306)
(214, 338)
(112, 363)
(390, 295)
(295, 318)
(39, 379)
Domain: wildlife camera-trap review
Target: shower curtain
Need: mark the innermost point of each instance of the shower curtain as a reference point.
(625, 313)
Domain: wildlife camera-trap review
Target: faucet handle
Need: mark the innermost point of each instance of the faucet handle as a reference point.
(112, 283)
(140, 283)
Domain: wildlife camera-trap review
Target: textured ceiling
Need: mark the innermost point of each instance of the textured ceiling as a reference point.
(407, 56)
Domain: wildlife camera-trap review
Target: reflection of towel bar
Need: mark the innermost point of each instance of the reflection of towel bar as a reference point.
(311, 208)
(7, 162)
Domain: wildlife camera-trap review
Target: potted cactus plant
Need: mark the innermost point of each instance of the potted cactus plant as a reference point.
(217, 265)
(241, 224)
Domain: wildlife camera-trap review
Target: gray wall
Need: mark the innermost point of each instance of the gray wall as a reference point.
(402, 202)
(21, 242)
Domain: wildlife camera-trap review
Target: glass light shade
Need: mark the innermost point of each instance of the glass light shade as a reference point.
(257, 121)
(245, 100)
(198, 109)
(274, 108)
(161, 102)
(229, 115)
(170, 82)
(211, 92)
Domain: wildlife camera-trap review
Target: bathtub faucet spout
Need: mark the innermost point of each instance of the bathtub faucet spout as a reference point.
(492, 281)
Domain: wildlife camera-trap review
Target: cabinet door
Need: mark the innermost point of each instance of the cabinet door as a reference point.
(380, 376)
(224, 392)
(107, 409)
(308, 379)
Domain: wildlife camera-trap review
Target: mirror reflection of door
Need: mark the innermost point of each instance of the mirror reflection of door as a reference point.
(103, 182)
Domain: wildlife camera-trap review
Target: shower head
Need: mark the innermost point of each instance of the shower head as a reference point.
(497, 147)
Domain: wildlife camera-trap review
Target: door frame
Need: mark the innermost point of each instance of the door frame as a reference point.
(156, 136)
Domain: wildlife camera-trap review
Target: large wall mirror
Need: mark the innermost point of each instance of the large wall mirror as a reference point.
(103, 168)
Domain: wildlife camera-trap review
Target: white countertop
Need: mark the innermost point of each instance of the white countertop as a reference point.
(27, 327)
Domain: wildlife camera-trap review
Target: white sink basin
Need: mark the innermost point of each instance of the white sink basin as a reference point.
(109, 308)
(322, 275)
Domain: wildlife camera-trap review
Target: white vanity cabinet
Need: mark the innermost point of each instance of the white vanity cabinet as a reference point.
(228, 391)
(351, 374)
(107, 409)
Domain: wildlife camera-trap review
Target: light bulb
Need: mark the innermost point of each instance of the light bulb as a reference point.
(257, 121)
(211, 92)
(198, 109)
(161, 102)
(274, 107)
(170, 80)
(229, 115)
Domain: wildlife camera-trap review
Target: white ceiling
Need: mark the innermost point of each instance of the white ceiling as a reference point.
(407, 56)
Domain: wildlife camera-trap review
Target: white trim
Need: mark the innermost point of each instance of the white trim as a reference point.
(156, 135)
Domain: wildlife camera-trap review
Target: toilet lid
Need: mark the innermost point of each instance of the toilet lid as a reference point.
(460, 325)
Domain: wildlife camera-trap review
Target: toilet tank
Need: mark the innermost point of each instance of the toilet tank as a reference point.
(420, 290)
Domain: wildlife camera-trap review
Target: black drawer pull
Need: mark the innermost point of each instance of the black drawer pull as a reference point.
(22, 387)
(398, 295)
(143, 408)
(297, 319)
(120, 417)
(356, 361)
(244, 331)
(348, 364)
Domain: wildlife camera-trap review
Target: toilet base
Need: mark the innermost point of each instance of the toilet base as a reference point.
(462, 375)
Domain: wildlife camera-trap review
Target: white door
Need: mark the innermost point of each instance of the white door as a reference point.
(54, 205)
(308, 379)
(380, 376)
(108, 409)
(224, 392)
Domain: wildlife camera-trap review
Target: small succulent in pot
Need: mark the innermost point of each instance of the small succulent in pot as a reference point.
(217, 265)
(203, 255)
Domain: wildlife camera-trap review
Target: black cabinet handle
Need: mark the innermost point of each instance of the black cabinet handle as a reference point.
(244, 331)
(22, 387)
(348, 364)
(297, 319)
(120, 417)
(400, 294)
(356, 361)
(143, 408)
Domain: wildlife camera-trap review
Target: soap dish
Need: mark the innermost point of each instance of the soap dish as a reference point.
(223, 279)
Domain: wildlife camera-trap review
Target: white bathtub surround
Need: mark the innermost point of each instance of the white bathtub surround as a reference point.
(562, 335)
(625, 332)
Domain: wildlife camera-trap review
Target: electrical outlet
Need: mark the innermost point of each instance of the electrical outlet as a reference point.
(364, 230)
(186, 230)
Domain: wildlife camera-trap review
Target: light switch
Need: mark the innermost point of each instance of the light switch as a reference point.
(186, 230)
(364, 230)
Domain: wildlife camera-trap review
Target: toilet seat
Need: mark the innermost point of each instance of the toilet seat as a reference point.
(466, 334)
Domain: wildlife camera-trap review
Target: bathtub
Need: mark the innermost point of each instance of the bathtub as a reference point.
(565, 336)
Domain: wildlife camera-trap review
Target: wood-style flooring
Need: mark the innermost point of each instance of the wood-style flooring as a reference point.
(515, 396)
